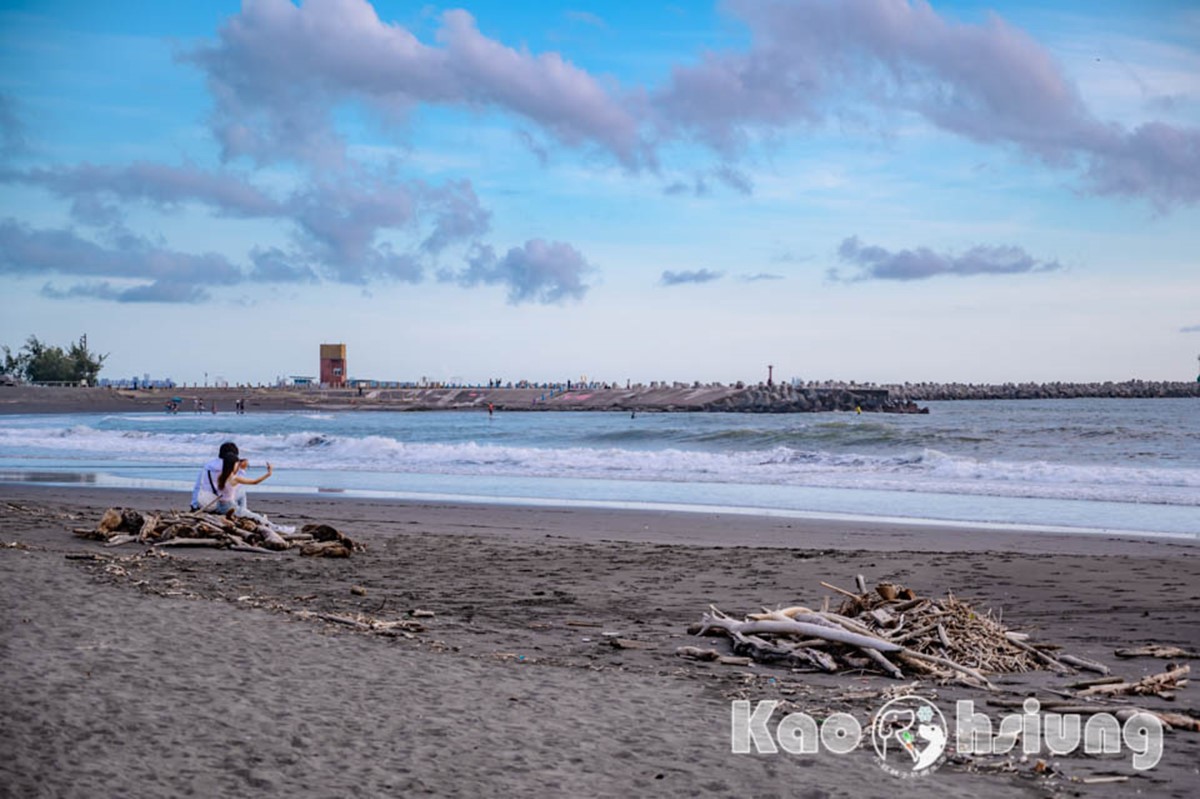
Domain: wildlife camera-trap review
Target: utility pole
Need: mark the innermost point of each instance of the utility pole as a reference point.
(770, 377)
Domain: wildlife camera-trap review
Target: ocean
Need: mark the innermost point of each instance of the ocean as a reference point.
(1088, 465)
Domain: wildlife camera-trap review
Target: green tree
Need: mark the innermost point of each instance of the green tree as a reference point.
(14, 364)
(39, 362)
(86, 365)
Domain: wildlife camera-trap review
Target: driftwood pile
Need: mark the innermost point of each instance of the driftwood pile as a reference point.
(197, 529)
(889, 630)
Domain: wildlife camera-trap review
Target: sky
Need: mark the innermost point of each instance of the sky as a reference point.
(871, 190)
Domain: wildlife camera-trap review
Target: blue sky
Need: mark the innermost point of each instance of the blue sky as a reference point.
(867, 189)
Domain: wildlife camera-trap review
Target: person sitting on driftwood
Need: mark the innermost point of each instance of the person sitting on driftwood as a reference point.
(233, 474)
(204, 492)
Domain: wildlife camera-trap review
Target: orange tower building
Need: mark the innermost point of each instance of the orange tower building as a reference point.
(333, 365)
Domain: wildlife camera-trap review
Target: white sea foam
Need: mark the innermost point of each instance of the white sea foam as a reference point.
(926, 470)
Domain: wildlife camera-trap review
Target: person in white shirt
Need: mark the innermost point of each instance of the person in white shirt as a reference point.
(232, 477)
(204, 492)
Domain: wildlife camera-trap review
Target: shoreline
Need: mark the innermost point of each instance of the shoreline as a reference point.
(670, 525)
(18, 479)
(132, 671)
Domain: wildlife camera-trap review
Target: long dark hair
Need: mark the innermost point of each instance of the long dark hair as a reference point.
(229, 463)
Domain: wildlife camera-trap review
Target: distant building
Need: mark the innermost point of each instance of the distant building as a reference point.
(333, 365)
(135, 382)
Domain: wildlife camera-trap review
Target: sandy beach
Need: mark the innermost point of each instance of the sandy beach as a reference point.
(208, 672)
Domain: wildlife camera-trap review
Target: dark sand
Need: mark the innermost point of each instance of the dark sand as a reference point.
(197, 674)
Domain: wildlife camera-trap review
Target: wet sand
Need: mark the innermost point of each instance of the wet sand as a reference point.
(204, 672)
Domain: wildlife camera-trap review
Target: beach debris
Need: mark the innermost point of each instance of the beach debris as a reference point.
(193, 542)
(697, 653)
(891, 630)
(1177, 721)
(1162, 685)
(628, 643)
(1157, 651)
(325, 549)
(391, 628)
(1084, 664)
(1089, 707)
(121, 526)
(38, 510)
(326, 542)
(1106, 779)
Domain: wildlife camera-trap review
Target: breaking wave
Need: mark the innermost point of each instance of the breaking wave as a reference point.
(745, 456)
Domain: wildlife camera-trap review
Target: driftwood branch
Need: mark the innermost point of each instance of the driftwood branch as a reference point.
(890, 630)
(800, 628)
(1170, 679)
(193, 542)
(1037, 653)
(950, 664)
(1084, 663)
(1157, 651)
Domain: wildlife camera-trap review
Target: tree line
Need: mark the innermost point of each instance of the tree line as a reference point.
(39, 362)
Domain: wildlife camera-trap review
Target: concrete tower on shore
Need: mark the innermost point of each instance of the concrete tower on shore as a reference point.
(333, 365)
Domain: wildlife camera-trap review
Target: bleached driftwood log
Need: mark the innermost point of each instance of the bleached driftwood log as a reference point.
(797, 628)
(825, 627)
(193, 542)
(1084, 663)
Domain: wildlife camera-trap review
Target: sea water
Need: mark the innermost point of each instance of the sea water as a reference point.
(1087, 465)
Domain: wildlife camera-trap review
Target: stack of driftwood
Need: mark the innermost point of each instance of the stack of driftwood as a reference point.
(889, 630)
(196, 529)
